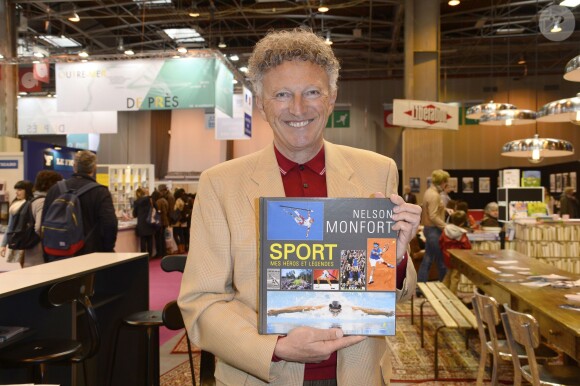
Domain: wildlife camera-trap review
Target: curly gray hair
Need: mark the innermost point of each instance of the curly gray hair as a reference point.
(286, 45)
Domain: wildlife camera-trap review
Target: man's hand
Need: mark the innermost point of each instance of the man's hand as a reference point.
(407, 218)
(312, 345)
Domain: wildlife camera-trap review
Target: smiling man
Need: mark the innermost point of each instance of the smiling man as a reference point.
(294, 75)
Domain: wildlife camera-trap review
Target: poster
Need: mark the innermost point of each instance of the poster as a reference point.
(415, 184)
(484, 185)
(467, 184)
(452, 184)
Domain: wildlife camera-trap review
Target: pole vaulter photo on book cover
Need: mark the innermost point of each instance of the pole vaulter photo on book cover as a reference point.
(327, 262)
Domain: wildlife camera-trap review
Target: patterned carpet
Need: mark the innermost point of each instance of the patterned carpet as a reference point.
(411, 363)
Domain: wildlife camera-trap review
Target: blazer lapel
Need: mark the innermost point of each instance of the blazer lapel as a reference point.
(340, 178)
(265, 179)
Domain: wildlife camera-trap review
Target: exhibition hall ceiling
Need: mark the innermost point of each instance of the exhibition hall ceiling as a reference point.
(478, 37)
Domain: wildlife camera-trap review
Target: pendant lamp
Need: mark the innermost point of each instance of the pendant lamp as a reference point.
(508, 118)
(573, 70)
(536, 149)
(477, 111)
(563, 110)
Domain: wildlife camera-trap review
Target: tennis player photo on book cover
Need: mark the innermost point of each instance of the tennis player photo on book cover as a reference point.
(327, 262)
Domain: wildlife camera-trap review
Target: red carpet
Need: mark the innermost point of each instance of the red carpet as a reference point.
(163, 288)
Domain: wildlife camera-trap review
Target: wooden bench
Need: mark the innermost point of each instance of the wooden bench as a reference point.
(450, 309)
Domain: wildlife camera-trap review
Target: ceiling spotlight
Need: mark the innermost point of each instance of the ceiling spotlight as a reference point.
(522, 59)
(194, 14)
(556, 27)
(322, 8)
(182, 50)
(84, 54)
(234, 58)
(129, 52)
(453, 3)
(235, 81)
(1, 56)
(73, 16)
(327, 40)
(243, 69)
(37, 54)
(176, 57)
(222, 44)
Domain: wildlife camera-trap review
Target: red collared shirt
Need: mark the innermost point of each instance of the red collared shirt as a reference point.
(309, 180)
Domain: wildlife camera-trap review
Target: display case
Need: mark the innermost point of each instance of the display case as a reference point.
(123, 181)
(507, 197)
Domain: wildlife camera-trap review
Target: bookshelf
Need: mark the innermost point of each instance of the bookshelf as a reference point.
(556, 243)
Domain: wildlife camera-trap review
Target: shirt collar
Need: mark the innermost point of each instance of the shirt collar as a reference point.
(316, 164)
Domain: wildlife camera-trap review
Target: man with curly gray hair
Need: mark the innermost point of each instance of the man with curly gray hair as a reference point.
(294, 74)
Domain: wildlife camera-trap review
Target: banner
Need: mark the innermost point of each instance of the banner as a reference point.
(425, 114)
(240, 125)
(41, 71)
(26, 81)
(143, 84)
(39, 116)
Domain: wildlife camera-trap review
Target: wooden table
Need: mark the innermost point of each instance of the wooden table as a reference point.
(559, 327)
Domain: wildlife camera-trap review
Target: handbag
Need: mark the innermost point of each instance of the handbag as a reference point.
(153, 217)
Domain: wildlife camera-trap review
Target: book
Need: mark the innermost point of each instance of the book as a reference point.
(511, 178)
(8, 332)
(327, 262)
(531, 178)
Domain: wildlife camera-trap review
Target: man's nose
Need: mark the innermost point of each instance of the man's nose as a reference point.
(297, 105)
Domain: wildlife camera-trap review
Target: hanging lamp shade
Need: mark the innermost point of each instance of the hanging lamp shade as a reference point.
(573, 70)
(508, 118)
(563, 110)
(477, 111)
(536, 148)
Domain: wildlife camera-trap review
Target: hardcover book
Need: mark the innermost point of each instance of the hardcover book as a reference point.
(327, 262)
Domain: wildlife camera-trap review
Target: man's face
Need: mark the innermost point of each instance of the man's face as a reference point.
(296, 101)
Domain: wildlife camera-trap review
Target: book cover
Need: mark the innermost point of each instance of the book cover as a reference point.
(327, 262)
(531, 178)
(511, 178)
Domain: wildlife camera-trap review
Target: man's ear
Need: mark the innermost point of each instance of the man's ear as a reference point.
(260, 105)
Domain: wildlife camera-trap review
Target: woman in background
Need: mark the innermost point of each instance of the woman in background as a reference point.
(45, 179)
(180, 225)
(490, 215)
(23, 193)
(144, 230)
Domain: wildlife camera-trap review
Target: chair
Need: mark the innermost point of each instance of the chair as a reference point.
(42, 352)
(486, 311)
(173, 320)
(522, 329)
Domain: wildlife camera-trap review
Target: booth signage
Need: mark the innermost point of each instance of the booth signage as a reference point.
(425, 114)
(39, 116)
(9, 164)
(143, 84)
(240, 125)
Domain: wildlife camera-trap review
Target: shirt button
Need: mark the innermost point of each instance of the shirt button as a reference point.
(305, 185)
(301, 167)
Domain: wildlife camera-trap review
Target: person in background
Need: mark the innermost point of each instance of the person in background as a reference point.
(471, 223)
(163, 207)
(180, 226)
(454, 236)
(294, 75)
(433, 221)
(144, 230)
(549, 201)
(445, 197)
(99, 219)
(490, 215)
(569, 203)
(23, 193)
(189, 200)
(408, 196)
(45, 179)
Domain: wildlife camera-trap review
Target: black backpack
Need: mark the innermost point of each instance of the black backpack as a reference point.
(23, 235)
(62, 225)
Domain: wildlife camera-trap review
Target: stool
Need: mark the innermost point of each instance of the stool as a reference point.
(150, 321)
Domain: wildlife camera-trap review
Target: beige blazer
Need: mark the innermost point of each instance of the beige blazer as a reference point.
(219, 291)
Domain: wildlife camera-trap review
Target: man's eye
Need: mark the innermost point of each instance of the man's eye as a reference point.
(283, 95)
(312, 94)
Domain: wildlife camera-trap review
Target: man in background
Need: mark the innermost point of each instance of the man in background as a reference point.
(100, 223)
(409, 196)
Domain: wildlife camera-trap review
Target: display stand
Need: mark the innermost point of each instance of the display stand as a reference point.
(123, 181)
(507, 196)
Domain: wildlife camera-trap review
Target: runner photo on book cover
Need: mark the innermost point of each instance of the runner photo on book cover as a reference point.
(356, 313)
(382, 259)
(326, 279)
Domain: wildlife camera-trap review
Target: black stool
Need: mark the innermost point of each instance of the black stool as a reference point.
(42, 352)
(150, 320)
